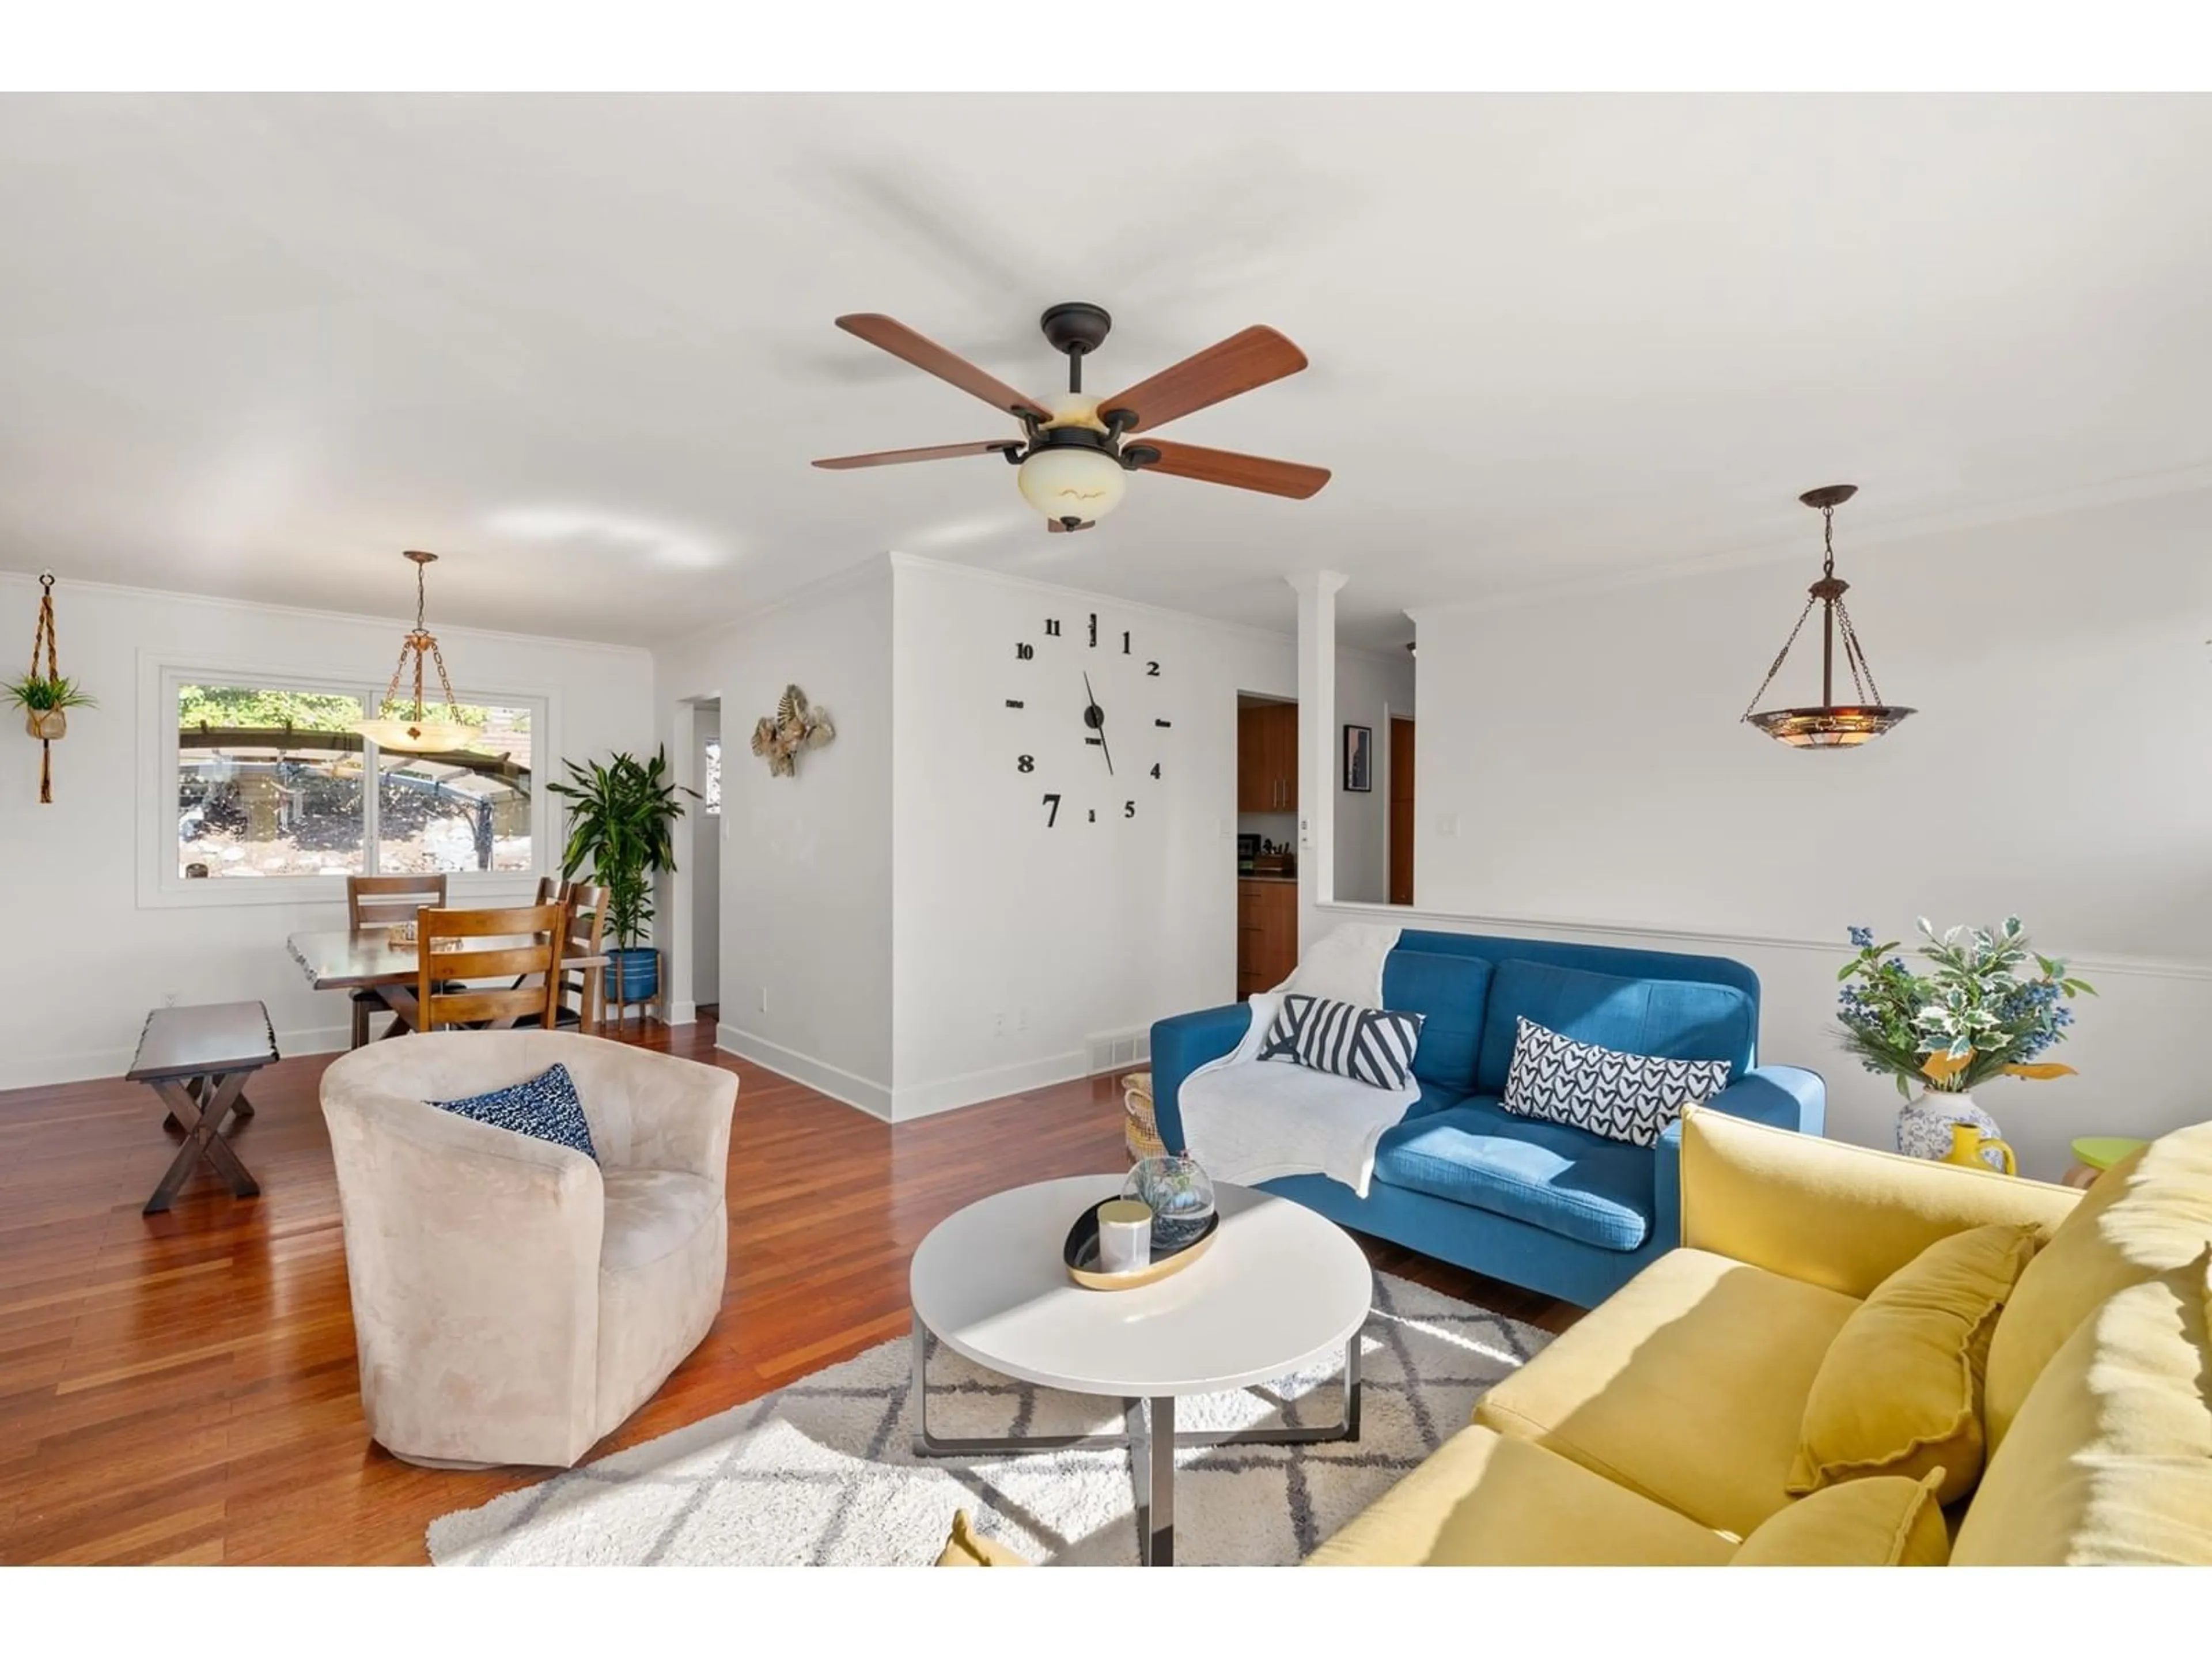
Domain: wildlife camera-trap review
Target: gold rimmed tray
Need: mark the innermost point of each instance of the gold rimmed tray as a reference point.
(1080, 1253)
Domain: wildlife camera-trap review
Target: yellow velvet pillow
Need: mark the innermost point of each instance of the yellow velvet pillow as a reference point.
(967, 1547)
(1883, 1522)
(2146, 1215)
(2110, 1460)
(1899, 1391)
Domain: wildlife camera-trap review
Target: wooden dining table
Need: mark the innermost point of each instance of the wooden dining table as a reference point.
(335, 959)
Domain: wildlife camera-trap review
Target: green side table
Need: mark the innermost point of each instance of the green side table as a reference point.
(2095, 1154)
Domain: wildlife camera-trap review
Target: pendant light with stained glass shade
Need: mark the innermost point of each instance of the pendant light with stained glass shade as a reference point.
(417, 727)
(1829, 724)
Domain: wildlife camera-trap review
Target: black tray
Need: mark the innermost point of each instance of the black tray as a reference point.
(1080, 1255)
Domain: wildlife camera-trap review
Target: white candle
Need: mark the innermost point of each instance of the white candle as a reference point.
(1125, 1236)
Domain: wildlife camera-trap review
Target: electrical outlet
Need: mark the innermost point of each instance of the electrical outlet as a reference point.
(1020, 1019)
(763, 999)
(998, 1023)
(168, 998)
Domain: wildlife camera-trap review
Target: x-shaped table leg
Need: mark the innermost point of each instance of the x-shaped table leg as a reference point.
(199, 1112)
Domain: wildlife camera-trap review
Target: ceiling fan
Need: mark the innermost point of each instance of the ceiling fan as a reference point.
(1072, 457)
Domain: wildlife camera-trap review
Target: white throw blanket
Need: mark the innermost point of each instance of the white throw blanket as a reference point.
(1246, 1120)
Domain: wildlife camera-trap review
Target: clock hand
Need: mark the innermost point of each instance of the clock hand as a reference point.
(1095, 718)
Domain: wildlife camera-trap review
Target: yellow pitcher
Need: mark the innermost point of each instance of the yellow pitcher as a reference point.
(1968, 1144)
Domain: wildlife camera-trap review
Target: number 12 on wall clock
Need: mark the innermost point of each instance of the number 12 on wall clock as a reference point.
(1092, 721)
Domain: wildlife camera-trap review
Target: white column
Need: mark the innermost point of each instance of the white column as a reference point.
(1316, 592)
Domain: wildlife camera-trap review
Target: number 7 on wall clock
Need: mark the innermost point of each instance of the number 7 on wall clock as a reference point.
(1087, 721)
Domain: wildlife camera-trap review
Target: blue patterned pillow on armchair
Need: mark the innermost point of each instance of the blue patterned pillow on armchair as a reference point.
(545, 1108)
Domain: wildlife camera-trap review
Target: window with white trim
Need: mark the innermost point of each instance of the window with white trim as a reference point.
(268, 781)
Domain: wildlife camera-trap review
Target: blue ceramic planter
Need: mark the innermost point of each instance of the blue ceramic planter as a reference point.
(632, 974)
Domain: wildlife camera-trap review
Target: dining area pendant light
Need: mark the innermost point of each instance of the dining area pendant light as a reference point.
(419, 729)
(1828, 724)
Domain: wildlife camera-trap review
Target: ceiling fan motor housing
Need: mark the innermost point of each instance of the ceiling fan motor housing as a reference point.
(1076, 327)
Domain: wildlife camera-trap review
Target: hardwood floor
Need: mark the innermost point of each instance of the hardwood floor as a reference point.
(182, 1387)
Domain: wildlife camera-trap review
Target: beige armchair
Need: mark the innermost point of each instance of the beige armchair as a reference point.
(513, 1301)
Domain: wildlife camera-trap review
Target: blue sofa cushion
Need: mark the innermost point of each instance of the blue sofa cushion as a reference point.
(1564, 1179)
(1434, 1098)
(1669, 1019)
(1450, 992)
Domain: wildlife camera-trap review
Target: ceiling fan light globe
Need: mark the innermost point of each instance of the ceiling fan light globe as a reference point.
(1085, 484)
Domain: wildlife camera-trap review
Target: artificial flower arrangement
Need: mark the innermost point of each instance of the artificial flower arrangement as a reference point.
(1975, 1017)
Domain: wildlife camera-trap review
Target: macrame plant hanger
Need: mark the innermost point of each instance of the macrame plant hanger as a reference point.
(43, 638)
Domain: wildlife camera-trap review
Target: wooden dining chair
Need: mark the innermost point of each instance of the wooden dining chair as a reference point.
(523, 941)
(583, 989)
(373, 902)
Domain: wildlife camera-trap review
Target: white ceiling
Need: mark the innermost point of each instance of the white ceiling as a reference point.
(582, 346)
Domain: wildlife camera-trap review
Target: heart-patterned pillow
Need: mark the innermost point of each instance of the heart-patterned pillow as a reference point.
(1630, 1097)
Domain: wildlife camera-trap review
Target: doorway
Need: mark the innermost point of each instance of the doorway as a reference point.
(1267, 838)
(706, 859)
(1401, 810)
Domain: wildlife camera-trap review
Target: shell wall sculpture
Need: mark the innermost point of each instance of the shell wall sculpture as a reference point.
(778, 738)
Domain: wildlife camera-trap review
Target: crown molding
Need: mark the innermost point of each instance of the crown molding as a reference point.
(263, 607)
(2147, 487)
(808, 593)
(1034, 585)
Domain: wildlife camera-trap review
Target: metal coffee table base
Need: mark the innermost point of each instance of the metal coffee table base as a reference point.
(1151, 1437)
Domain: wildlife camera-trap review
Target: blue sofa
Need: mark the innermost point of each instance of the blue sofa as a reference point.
(1537, 1204)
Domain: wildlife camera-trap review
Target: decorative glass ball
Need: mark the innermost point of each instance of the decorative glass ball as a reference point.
(1180, 1195)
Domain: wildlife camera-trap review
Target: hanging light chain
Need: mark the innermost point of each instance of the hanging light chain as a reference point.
(1855, 655)
(1779, 658)
(420, 643)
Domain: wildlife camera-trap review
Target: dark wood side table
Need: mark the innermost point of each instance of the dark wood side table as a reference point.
(197, 1060)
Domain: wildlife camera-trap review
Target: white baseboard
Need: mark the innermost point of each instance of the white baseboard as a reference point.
(862, 1093)
(682, 1013)
(91, 1065)
(950, 1094)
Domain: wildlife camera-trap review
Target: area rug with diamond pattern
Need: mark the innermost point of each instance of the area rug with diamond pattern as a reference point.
(822, 1472)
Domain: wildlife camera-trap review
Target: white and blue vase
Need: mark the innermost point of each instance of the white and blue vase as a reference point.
(1923, 1126)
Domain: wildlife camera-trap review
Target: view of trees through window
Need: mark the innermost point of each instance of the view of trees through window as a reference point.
(270, 782)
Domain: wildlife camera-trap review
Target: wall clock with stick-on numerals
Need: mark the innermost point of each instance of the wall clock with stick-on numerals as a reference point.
(1088, 711)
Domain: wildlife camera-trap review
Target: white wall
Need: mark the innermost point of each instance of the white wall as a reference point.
(1017, 943)
(89, 959)
(1370, 687)
(807, 860)
(706, 882)
(1582, 763)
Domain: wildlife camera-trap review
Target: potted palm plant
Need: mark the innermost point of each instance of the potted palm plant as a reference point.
(621, 818)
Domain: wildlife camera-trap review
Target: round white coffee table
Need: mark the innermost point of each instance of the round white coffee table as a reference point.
(1278, 1287)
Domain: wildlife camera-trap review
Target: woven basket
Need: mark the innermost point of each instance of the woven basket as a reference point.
(47, 723)
(1139, 1133)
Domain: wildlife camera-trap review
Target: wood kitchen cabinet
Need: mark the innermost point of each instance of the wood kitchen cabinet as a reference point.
(1267, 933)
(1268, 758)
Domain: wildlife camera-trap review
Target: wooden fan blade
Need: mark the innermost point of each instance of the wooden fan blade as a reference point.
(934, 452)
(1239, 363)
(931, 358)
(1226, 466)
(1059, 529)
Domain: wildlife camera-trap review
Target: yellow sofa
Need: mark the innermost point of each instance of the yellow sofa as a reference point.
(1660, 1429)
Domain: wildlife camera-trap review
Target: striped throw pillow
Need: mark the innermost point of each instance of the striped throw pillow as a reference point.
(1372, 1046)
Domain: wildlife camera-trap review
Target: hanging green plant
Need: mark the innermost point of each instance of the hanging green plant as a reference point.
(46, 698)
